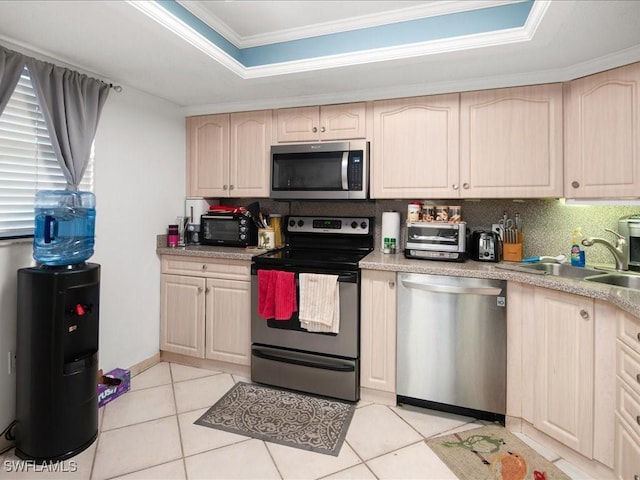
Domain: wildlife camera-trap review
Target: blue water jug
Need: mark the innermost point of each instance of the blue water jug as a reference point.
(64, 227)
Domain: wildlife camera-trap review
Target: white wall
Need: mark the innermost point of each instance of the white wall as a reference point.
(140, 188)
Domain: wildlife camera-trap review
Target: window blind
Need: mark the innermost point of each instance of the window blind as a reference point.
(27, 161)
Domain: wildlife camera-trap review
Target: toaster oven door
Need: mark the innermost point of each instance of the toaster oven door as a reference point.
(441, 237)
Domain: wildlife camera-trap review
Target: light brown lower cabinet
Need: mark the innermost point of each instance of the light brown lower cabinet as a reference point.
(206, 308)
(561, 359)
(627, 429)
(378, 330)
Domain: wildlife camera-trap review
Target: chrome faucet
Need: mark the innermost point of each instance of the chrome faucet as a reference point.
(620, 251)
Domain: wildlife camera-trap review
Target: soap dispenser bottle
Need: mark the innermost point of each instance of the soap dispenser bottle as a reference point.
(577, 253)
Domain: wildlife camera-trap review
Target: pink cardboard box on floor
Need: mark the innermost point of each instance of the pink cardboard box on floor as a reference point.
(107, 391)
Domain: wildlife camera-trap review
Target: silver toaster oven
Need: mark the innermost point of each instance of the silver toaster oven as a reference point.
(436, 241)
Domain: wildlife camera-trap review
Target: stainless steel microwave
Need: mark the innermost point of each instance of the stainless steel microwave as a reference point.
(227, 229)
(320, 171)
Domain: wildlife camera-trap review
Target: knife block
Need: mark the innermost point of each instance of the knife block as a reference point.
(512, 252)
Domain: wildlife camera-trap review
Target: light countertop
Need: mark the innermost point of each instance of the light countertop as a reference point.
(624, 298)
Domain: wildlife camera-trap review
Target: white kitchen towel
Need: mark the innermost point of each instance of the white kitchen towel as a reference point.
(319, 309)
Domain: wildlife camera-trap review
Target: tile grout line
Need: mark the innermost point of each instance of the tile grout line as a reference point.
(175, 404)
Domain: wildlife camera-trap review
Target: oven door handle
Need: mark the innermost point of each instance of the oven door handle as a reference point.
(304, 363)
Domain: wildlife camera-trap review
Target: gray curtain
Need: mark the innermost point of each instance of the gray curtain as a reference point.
(71, 104)
(11, 66)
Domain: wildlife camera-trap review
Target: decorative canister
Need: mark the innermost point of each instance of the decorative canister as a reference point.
(413, 212)
(428, 213)
(455, 213)
(442, 213)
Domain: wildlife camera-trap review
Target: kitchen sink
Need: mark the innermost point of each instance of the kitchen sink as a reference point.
(617, 280)
(556, 269)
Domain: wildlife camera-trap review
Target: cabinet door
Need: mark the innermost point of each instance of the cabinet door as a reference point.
(602, 128)
(415, 147)
(228, 321)
(627, 464)
(298, 124)
(563, 405)
(378, 330)
(343, 122)
(208, 156)
(511, 142)
(250, 154)
(182, 315)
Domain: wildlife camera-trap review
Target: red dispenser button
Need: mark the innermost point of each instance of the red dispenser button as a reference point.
(79, 310)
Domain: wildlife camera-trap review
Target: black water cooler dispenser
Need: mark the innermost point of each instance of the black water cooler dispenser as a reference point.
(57, 361)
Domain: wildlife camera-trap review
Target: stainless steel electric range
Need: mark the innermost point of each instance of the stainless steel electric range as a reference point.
(283, 352)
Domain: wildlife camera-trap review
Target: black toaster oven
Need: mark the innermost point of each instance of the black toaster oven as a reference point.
(232, 229)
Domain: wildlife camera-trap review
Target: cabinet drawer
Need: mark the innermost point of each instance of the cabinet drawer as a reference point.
(218, 268)
(629, 331)
(628, 406)
(627, 448)
(628, 367)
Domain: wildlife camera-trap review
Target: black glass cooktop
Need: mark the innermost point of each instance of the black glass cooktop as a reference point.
(311, 257)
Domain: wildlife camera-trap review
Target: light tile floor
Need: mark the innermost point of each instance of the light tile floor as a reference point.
(148, 433)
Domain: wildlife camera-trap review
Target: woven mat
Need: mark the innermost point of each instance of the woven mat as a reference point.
(492, 453)
(279, 416)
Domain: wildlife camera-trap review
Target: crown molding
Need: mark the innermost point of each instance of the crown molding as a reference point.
(564, 74)
(447, 45)
(432, 9)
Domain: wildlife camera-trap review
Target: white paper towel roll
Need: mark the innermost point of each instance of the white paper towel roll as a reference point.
(390, 236)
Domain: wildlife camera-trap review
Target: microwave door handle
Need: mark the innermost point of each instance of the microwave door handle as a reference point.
(345, 169)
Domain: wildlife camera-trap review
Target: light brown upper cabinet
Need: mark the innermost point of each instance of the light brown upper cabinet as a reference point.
(415, 147)
(602, 131)
(327, 122)
(511, 142)
(228, 154)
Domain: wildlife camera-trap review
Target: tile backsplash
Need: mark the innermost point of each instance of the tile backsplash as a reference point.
(547, 224)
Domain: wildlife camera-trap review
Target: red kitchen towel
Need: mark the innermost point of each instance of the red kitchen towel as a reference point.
(266, 293)
(285, 295)
(276, 294)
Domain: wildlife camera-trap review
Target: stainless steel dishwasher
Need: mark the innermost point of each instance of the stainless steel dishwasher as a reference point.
(451, 344)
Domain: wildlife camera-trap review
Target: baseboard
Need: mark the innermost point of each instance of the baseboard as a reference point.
(377, 396)
(144, 365)
(593, 468)
(215, 365)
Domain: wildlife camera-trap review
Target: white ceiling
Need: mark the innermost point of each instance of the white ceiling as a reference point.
(117, 42)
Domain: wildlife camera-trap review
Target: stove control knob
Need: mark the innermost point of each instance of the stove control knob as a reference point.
(363, 225)
(292, 223)
(300, 223)
(354, 224)
(242, 236)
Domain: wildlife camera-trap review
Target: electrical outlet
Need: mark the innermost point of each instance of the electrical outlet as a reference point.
(496, 227)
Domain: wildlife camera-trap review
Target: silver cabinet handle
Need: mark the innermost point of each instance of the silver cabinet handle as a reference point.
(225, 187)
(199, 290)
(231, 187)
(314, 129)
(454, 186)
(575, 184)
(638, 336)
(465, 186)
(636, 477)
(204, 267)
(207, 290)
(323, 129)
(393, 284)
(638, 377)
(584, 314)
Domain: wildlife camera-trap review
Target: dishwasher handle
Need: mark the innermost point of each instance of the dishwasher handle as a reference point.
(438, 288)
